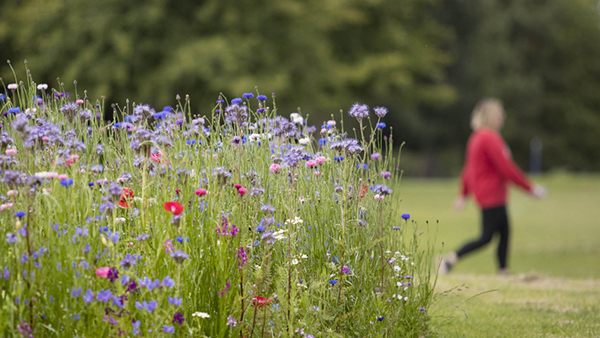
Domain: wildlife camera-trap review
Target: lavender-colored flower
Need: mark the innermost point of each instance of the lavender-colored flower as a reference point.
(346, 270)
(168, 282)
(175, 301)
(25, 330)
(69, 110)
(349, 146)
(128, 261)
(169, 329)
(230, 320)
(380, 111)
(179, 256)
(294, 155)
(104, 296)
(75, 292)
(149, 306)
(267, 209)
(382, 189)
(142, 237)
(11, 238)
(359, 111)
(6, 273)
(14, 178)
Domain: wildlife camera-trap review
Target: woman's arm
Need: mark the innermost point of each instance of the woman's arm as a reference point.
(500, 157)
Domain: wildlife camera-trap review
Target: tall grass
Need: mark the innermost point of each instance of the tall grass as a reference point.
(315, 248)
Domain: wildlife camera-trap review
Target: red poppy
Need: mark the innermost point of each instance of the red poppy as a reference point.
(126, 196)
(260, 301)
(363, 191)
(174, 208)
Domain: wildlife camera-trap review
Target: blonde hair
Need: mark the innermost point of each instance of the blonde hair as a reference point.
(482, 112)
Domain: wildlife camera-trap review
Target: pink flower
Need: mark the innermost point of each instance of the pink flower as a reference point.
(80, 101)
(168, 245)
(6, 206)
(45, 139)
(12, 193)
(274, 168)
(242, 191)
(11, 151)
(103, 272)
(237, 186)
(320, 159)
(323, 131)
(63, 177)
(200, 192)
(311, 163)
(331, 123)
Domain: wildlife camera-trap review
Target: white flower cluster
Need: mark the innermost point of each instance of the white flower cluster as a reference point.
(296, 220)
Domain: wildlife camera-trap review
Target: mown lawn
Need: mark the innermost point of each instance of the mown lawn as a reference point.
(554, 289)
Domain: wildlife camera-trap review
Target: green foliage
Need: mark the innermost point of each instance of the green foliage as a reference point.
(333, 258)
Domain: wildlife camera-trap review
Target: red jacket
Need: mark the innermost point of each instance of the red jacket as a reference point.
(488, 169)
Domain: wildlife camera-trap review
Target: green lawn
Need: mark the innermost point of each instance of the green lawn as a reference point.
(554, 289)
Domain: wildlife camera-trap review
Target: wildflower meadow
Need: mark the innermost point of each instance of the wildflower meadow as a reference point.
(240, 221)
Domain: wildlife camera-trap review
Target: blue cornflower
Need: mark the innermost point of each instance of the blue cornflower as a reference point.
(248, 95)
(118, 301)
(11, 238)
(405, 216)
(381, 125)
(175, 301)
(88, 296)
(14, 110)
(261, 97)
(180, 239)
(114, 236)
(104, 296)
(220, 101)
(167, 109)
(237, 100)
(380, 318)
(260, 110)
(190, 142)
(332, 282)
(338, 158)
(363, 166)
(161, 115)
(67, 182)
(91, 184)
(322, 141)
(260, 228)
(20, 214)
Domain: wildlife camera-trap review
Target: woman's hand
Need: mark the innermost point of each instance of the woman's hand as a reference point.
(538, 191)
(460, 203)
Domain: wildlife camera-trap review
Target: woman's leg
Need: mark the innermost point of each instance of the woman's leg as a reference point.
(489, 222)
(503, 229)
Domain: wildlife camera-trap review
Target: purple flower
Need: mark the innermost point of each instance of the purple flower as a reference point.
(75, 292)
(127, 262)
(380, 318)
(261, 97)
(169, 329)
(168, 282)
(6, 274)
(346, 270)
(142, 237)
(149, 306)
(104, 296)
(230, 320)
(179, 256)
(380, 111)
(175, 301)
(382, 189)
(113, 274)
(237, 100)
(248, 95)
(242, 257)
(88, 297)
(11, 238)
(178, 318)
(20, 214)
(359, 111)
(422, 309)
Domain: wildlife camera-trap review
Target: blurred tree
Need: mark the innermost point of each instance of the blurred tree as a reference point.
(541, 58)
(322, 55)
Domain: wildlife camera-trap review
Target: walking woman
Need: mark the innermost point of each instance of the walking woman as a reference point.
(487, 171)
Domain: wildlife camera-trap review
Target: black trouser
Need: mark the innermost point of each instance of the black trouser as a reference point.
(494, 220)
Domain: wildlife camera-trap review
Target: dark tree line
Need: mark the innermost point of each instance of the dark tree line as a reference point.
(428, 61)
